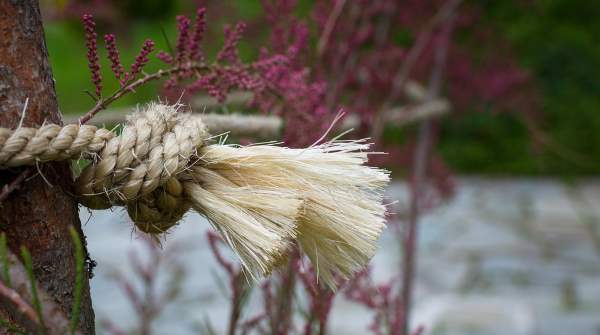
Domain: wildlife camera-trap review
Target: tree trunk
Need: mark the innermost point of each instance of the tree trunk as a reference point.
(39, 214)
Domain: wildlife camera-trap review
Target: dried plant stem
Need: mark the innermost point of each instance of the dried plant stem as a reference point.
(255, 126)
(270, 126)
(417, 185)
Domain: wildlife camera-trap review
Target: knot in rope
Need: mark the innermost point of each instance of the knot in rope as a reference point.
(137, 169)
(140, 167)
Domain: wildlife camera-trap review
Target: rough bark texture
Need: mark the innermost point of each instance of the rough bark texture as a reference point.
(37, 215)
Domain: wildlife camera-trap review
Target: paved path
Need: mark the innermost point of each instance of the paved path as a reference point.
(502, 257)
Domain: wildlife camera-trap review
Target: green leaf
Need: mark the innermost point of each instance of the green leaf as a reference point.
(79, 273)
(4, 260)
(37, 305)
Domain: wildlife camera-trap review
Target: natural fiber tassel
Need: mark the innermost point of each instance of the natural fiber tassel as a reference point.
(260, 198)
(342, 214)
(258, 223)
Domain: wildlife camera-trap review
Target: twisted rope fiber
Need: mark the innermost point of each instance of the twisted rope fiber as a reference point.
(260, 198)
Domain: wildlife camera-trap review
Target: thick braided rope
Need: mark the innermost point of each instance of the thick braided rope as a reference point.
(262, 199)
(138, 168)
(26, 146)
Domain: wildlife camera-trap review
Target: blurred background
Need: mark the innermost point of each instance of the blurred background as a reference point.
(508, 218)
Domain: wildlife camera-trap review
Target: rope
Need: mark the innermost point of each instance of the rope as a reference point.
(262, 199)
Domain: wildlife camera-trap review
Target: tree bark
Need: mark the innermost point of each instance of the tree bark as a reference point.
(39, 214)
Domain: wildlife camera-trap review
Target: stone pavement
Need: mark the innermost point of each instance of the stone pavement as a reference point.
(514, 256)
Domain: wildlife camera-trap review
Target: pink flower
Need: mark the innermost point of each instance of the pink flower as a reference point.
(92, 52)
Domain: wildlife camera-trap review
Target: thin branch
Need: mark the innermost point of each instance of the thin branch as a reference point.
(270, 126)
(237, 283)
(442, 16)
(402, 76)
(14, 184)
(103, 103)
(421, 157)
(329, 25)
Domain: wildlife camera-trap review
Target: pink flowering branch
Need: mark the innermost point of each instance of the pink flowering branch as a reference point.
(92, 52)
(198, 35)
(141, 59)
(216, 79)
(142, 290)
(226, 73)
(383, 299)
(320, 303)
(183, 26)
(103, 103)
(229, 50)
(165, 57)
(113, 56)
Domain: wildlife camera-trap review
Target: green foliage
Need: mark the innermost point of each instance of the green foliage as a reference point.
(79, 272)
(4, 260)
(5, 324)
(558, 41)
(483, 142)
(147, 9)
(37, 305)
